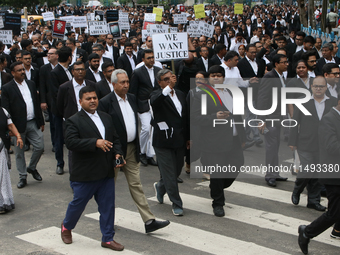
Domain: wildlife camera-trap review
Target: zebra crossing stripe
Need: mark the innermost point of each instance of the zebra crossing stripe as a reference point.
(191, 237)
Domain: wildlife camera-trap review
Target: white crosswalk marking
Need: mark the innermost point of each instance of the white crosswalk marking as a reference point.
(49, 238)
(190, 237)
(262, 219)
(259, 191)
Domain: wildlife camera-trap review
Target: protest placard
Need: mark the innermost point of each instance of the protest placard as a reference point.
(170, 46)
(124, 20)
(199, 11)
(98, 27)
(145, 34)
(13, 22)
(114, 29)
(238, 8)
(158, 13)
(99, 15)
(194, 29)
(59, 28)
(79, 21)
(1, 22)
(208, 30)
(48, 16)
(158, 29)
(147, 24)
(6, 36)
(23, 25)
(150, 17)
(173, 30)
(180, 18)
(68, 19)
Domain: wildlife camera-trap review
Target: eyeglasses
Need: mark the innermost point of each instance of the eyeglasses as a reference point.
(319, 86)
(27, 58)
(166, 79)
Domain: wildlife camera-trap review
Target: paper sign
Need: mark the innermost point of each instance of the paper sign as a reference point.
(173, 30)
(68, 19)
(199, 11)
(23, 25)
(158, 13)
(48, 16)
(6, 36)
(124, 21)
(98, 15)
(208, 30)
(182, 8)
(180, 18)
(1, 22)
(147, 24)
(59, 28)
(145, 34)
(112, 15)
(162, 125)
(150, 17)
(158, 29)
(193, 29)
(161, 7)
(170, 46)
(238, 8)
(98, 27)
(114, 29)
(79, 21)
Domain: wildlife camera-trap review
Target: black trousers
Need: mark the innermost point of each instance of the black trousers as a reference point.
(231, 161)
(327, 219)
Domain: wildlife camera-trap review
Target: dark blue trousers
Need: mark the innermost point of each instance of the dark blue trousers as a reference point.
(104, 194)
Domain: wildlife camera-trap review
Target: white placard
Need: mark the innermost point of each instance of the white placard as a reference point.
(159, 29)
(170, 46)
(79, 21)
(208, 30)
(145, 34)
(180, 18)
(150, 17)
(6, 36)
(1, 22)
(161, 7)
(48, 16)
(90, 16)
(124, 20)
(98, 27)
(173, 30)
(68, 19)
(194, 29)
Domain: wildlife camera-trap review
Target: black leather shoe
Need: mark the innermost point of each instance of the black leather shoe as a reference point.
(281, 179)
(10, 151)
(248, 145)
(303, 240)
(35, 174)
(60, 170)
(152, 162)
(219, 211)
(22, 183)
(259, 142)
(179, 180)
(317, 207)
(143, 159)
(295, 198)
(155, 225)
(271, 182)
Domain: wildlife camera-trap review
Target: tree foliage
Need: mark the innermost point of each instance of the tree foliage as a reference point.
(19, 4)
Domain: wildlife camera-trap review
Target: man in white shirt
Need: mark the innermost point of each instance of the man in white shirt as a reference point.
(236, 42)
(257, 35)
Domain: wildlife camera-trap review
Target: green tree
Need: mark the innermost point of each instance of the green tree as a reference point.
(19, 4)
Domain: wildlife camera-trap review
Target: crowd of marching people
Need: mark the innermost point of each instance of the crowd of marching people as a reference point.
(149, 112)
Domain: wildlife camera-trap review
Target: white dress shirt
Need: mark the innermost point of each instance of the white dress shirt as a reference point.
(253, 64)
(110, 84)
(336, 110)
(311, 74)
(320, 107)
(28, 73)
(151, 75)
(233, 76)
(132, 62)
(128, 116)
(205, 62)
(77, 87)
(306, 83)
(298, 48)
(26, 95)
(332, 90)
(227, 100)
(96, 74)
(98, 122)
(330, 61)
(167, 92)
(69, 75)
(74, 57)
(254, 39)
(282, 79)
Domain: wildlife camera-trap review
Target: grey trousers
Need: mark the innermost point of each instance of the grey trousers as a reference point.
(306, 179)
(170, 163)
(36, 139)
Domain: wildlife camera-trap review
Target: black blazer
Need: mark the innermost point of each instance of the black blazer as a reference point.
(164, 110)
(215, 60)
(58, 77)
(45, 81)
(321, 62)
(5, 78)
(109, 104)
(329, 142)
(66, 100)
(297, 57)
(102, 88)
(90, 163)
(298, 83)
(124, 63)
(115, 54)
(200, 65)
(264, 100)
(305, 135)
(141, 86)
(89, 75)
(14, 103)
(35, 77)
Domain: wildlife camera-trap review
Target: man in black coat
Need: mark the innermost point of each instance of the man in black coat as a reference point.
(128, 60)
(327, 57)
(20, 99)
(272, 130)
(105, 86)
(122, 107)
(203, 63)
(92, 72)
(32, 73)
(143, 82)
(329, 142)
(94, 143)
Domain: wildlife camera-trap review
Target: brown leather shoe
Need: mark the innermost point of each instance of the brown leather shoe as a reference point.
(113, 245)
(66, 235)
